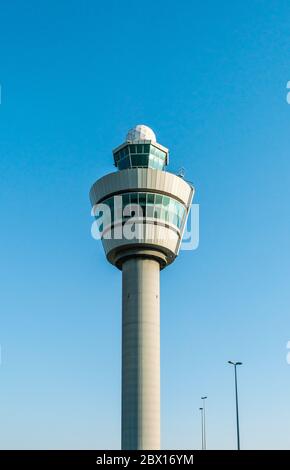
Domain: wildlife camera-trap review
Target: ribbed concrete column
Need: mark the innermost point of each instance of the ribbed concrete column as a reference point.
(141, 354)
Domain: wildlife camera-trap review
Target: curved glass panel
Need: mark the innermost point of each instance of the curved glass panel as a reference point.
(140, 156)
(151, 205)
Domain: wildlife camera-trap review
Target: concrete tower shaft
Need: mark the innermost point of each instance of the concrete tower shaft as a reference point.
(141, 354)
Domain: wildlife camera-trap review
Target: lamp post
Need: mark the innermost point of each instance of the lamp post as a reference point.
(201, 414)
(204, 432)
(235, 364)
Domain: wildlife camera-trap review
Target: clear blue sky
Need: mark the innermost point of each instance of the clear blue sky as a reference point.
(210, 78)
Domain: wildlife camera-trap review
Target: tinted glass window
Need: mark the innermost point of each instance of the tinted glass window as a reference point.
(157, 212)
(165, 200)
(124, 163)
(143, 160)
(149, 211)
(135, 159)
(134, 198)
(150, 198)
(158, 199)
(142, 198)
(126, 199)
(154, 205)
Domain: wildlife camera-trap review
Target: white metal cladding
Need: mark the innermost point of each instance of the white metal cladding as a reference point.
(142, 179)
(157, 236)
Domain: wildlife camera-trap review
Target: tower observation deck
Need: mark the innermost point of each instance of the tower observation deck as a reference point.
(141, 210)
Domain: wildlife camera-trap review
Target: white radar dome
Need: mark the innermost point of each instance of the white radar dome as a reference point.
(140, 132)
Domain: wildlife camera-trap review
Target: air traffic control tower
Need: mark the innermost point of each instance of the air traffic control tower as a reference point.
(142, 211)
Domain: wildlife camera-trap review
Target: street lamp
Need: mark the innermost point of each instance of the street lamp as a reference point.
(235, 364)
(201, 414)
(204, 433)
